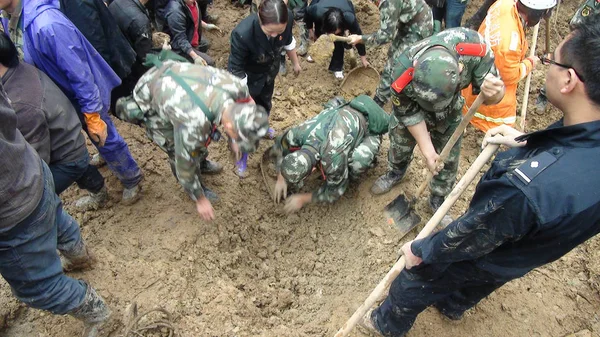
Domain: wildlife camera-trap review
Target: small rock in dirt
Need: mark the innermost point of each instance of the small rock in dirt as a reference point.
(377, 231)
(262, 254)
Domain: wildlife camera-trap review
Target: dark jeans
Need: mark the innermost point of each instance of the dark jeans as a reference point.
(29, 261)
(452, 288)
(80, 171)
(451, 13)
(337, 59)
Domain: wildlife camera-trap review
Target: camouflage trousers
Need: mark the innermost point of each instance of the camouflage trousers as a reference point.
(364, 155)
(200, 157)
(401, 149)
(407, 35)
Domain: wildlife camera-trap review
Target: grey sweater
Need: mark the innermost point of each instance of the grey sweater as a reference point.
(21, 177)
(46, 117)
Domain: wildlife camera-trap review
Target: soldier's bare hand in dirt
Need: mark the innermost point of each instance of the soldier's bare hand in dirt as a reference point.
(433, 164)
(295, 202)
(492, 89)
(503, 135)
(280, 189)
(355, 39)
(205, 209)
(411, 259)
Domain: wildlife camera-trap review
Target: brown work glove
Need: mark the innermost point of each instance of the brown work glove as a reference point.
(97, 129)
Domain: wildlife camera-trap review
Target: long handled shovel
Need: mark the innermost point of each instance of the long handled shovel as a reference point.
(400, 212)
(384, 284)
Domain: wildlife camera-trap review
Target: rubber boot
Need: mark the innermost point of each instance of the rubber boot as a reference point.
(97, 160)
(435, 201)
(270, 134)
(241, 167)
(210, 167)
(93, 311)
(385, 183)
(92, 201)
(131, 195)
(79, 258)
(282, 66)
(437, 26)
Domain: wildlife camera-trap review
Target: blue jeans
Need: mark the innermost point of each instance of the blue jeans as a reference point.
(80, 171)
(29, 261)
(451, 13)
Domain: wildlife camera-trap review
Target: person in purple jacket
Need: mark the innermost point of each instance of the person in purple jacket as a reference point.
(47, 39)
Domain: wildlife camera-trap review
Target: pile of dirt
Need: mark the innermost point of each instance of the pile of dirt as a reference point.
(255, 271)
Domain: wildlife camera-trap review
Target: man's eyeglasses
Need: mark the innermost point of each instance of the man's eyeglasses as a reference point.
(547, 59)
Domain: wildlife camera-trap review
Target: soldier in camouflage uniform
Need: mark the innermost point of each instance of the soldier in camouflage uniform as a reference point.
(342, 142)
(426, 98)
(403, 22)
(180, 104)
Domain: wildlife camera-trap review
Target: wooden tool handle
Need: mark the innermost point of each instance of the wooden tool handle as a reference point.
(336, 38)
(385, 283)
(452, 141)
(536, 29)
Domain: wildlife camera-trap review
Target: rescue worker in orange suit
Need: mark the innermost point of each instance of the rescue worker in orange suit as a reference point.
(504, 30)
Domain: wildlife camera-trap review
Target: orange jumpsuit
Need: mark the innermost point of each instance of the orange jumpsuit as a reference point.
(503, 30)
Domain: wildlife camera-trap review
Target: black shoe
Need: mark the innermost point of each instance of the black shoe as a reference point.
(435, 201)
(385, 183)
(211, 167)
(210, 195)
(453, 316)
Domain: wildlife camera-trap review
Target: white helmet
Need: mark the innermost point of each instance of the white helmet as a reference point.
(539, 4)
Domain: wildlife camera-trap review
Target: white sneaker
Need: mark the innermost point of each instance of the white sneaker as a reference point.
(339, 75)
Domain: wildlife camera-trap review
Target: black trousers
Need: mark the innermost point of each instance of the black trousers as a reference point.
(452, 288)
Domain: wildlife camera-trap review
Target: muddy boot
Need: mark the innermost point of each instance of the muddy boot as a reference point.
(211, 167)
(131, 195)
(79, 258)
(437, 26)
(92, 201)
(385, 183)
(367, 326)
(210, 195)
(435, 201)
(97, 160)
(241, 167)
(453, 316)
(93, 311)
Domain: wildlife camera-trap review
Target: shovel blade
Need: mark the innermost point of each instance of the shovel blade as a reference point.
(399, 214)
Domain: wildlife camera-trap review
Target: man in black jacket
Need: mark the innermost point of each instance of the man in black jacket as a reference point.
(134, 21)
(185, 28)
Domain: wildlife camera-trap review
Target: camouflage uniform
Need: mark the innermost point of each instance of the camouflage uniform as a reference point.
(441, 123)
(403, 22)
(339, 138)
(586, 9)
(172, 119)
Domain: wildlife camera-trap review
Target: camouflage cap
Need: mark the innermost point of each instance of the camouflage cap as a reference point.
(436, 80)
(127, 109)
(296, 166)
(251, 123)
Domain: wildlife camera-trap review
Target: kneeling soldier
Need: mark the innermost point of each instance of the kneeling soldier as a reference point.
(341, 141)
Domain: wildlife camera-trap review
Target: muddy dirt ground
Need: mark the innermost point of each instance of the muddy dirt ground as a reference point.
(256, 272)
